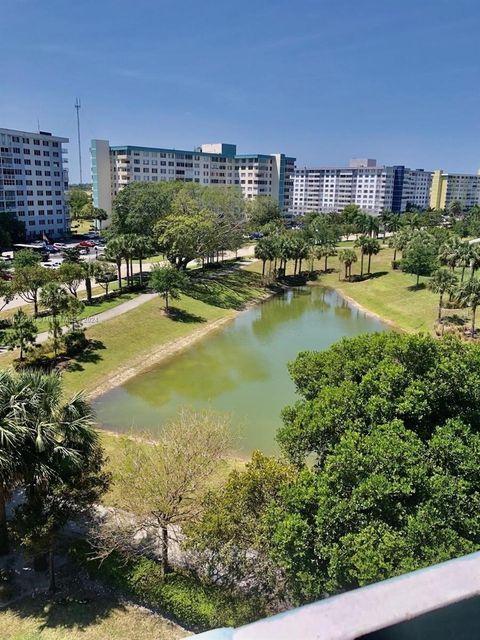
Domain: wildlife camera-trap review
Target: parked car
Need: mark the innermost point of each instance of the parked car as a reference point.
(84, 252)
(86, 243)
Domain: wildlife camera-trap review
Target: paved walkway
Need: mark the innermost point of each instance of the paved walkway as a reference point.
(106, 315)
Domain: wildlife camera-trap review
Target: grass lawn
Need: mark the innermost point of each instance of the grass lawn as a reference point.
(102, 618)
(127, 340)
(388, 293)
(90, 310)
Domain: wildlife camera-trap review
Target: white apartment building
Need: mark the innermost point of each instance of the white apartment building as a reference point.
(331, 189)
(33, 181)
(209, 164)
(454, 187)
(373, 188)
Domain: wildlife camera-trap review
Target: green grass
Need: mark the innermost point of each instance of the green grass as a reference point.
(126, 341)
(388, 293)
(102, 618)
(98, 306)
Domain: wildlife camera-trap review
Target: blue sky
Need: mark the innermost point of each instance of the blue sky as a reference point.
(321, 80)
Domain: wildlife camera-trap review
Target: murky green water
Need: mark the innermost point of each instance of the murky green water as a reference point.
(241, 369)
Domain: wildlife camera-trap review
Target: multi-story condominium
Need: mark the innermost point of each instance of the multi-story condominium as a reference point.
(33, 180)
(453, 187)
(363, 183)
(331, 189)
(210, 164)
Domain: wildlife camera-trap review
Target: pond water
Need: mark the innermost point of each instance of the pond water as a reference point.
(240, 370)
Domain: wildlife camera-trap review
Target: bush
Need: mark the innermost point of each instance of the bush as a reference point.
(192, 603)
(396, 264)
(75, 342)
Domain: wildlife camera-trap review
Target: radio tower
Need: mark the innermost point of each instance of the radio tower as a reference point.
(77, 107)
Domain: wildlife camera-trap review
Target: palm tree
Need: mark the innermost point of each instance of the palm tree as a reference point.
(21, 332)
(11, 440)
(361, 243)
(264, 251)
(371, 248)
(399, 241)
(373, 226)
(468, 295)
(450, 252)
(326, 250)
(114, 251)
(89, 274)
(384, 219)
(55, 298)
(347, 257)
(412, 219)
(57, 435)
(142, 248)
(442, 281)
(394, 223)
(472, 257)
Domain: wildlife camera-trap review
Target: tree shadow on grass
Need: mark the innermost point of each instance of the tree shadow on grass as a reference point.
(72, 609)
(89, 355)
(417, 287)
(180, 315)
(227, 290)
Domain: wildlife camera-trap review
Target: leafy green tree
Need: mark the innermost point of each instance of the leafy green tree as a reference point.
(468, 294)
(183, 237)
(261, 211)
(6, 293)
(27, 282)
(77, 199)
(104, 274)
(442, 281)
(399, 241)
(12, 230)
(140, 205)
(394, 222)
(420, 255)
(347, 257)
(168, 282)
(455, 208)
(72, 276)
(54, 298)
(71, 255)
(72, 311)
(326, 250)
(100, 215)
(229, 538)
(383, 503)
(26, 258)
(21, 333)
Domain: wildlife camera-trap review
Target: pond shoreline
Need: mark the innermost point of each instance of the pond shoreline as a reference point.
(168, 350)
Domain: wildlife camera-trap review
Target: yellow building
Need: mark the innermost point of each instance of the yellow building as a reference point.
(454, 187)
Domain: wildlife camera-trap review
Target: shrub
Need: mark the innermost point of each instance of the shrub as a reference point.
(75, 342)
(192, 603)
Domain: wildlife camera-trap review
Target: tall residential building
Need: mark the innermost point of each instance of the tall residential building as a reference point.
(33, 180)
(451, 187)
(371, 187)
(331, 189)
(210, 164)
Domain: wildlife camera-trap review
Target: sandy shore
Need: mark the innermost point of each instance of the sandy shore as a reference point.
(143, 362)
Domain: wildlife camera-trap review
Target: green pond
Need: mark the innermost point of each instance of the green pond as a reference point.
(240, 370)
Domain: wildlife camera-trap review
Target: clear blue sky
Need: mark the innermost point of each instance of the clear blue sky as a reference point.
(322, 80)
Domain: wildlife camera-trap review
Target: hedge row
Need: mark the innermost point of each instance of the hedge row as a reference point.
(191, 603)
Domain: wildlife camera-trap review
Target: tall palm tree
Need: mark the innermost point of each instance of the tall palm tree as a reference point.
(371, 248)
(472, 257)
(394, 223)
(12, 434)
(54, 298)
(442, 281)
(361, 243)
(142, 248)
(347, 257)
(399, 241)
(57, 434)
(326, 250)
(115, 251)
(468, 295)
(264, 251)
(384, 219)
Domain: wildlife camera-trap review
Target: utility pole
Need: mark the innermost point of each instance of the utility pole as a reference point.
(77, 107)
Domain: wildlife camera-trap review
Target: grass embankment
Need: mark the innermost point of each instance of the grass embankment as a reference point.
(139, 337)
(390, 294)
(102, 618)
